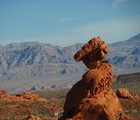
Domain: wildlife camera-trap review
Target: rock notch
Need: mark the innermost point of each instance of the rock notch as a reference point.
(91, 98)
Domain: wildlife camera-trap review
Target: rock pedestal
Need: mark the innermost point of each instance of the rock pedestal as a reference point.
(91, 98)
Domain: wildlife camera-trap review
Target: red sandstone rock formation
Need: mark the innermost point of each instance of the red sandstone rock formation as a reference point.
(21, 97)
(2, 92)
(29, 99)
(92, 98)
(124, 93)
(92, 52)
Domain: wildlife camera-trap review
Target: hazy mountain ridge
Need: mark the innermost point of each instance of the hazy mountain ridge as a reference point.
(36, 65)
(126, 59)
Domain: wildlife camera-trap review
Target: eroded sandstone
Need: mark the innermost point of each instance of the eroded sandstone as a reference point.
(91, 98)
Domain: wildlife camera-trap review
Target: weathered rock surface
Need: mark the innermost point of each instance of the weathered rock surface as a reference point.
(92, 98)
(123, 93)
(27, 106)
(21, 97)
(2, 92)
(95, 50)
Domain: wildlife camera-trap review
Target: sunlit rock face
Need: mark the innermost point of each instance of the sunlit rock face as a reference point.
(91, 98)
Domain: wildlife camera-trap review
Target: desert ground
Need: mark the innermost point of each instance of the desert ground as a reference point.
(48, 104)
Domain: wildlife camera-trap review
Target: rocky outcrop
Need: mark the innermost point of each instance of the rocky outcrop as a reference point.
(128, 78)
(91, 98)
(2, 92)
(21, 97)
(125, 94)
(27, 106)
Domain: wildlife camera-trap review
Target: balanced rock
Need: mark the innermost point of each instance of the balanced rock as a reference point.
(91, 98)
(92, 52)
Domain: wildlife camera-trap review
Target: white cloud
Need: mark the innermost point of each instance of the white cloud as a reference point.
(64, 19)
(118, 2)
(110, 30)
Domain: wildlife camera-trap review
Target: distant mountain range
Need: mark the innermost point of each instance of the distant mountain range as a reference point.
(125, 55)
(33, 65)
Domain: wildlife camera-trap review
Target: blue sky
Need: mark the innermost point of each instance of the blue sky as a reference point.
(66, 22)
